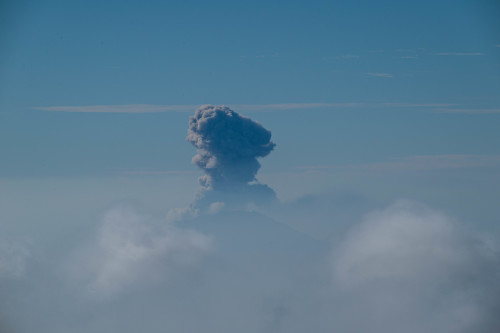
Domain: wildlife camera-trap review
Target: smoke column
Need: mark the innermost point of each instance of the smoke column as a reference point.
(228, 147)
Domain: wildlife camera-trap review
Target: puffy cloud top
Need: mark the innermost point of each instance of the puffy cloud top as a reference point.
(228, 145)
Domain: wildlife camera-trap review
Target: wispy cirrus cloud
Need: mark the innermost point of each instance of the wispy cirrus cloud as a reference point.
(385, 75)
(434, 162)
(470, 111)
(465, 54)
(350, 56)
(295, 106)
(417, 163)
(262, 56)
(120, 108)
(151, 172)
(150, 108)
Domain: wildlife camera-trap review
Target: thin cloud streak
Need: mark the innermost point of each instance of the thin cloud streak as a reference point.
(417, 163)
(120, 108)
(156, 172)
(294, 106)
(470, 111)
(385, 75)
(299, 106)
(151, 108)
(350, 56)
(459, 54)
(436, 162)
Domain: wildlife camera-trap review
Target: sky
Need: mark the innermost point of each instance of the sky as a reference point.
(380, 115)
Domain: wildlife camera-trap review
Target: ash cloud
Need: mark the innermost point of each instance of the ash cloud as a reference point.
(229, 145)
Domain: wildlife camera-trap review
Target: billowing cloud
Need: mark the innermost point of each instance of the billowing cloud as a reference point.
(133, 248)
(229, 145)
(406, 268)
(410, 268)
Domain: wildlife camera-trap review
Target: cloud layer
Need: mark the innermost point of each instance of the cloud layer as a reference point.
(403, 268)
(132, 248)
(409, 268)
(13, 257)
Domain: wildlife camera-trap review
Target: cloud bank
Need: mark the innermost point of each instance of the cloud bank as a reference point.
(131, 248)
(410, 268)
(405, 268)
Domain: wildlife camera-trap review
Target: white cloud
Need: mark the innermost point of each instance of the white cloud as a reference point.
(293, 106)
(149, 108)
(121, 108)
(133, 249)
(434, 162)
(262, 56)
(419, 162)
(306, 106)
(151, 172)
(405, 241)
(406, 268)
(385, 75)
(216, 207)
(350, 56)
(466, 54)
(410, 267)
(13, 257)
(469, 111)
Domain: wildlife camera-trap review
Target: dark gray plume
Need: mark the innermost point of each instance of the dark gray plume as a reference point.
(228, 146)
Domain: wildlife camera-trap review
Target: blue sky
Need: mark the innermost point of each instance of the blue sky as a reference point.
(425, 76)
(345, 87)
(348, 89)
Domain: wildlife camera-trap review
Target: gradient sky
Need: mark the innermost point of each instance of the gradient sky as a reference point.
(425, 75)
(345, 87)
